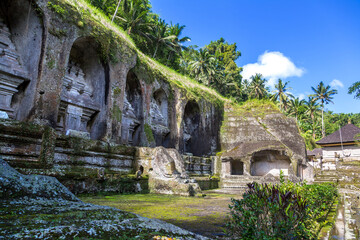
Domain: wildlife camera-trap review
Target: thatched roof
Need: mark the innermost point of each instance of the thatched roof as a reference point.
(348, 134)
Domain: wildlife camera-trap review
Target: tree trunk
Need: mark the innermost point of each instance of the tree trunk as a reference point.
(157, 45)
(313, 126)
(322, 121)
(117, 8)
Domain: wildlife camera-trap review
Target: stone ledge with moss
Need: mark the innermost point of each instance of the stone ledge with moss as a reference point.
(49, 211)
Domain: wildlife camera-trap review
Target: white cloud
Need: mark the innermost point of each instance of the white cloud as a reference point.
(336, 84)
(302, 96)
(272, 66)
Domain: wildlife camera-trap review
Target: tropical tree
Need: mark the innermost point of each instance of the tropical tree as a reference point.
(296, 108)
(161, 37)
(355, 88)
(203, 67)
(135, 17)
(228, 81)
(312, 111)
(257, 87)
(281, 94)
(177, 41)
(325, 95)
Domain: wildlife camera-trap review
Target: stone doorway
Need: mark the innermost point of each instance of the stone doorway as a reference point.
(269, 161)
(84, 92)
(132, 120)
(191, 125)
(160, 118)
(237, 167)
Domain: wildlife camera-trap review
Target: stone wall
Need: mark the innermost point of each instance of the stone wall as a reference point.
(75, 73)
(85, 165)
(198, 165)
(82, 165)
(257, 142)
(347, 152)
(85, 105)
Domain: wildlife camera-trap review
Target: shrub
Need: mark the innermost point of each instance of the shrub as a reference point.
(281, 211)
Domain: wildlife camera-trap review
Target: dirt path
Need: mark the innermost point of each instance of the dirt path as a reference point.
(203, 215)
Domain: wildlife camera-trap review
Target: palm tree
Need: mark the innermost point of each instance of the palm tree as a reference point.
(203, 67)
(257, 87)
(134, 17)
(355, 88)
(296, 107)
(324, 94)
(312, 110)
(161, 36)
(176, 30)
(281, 94)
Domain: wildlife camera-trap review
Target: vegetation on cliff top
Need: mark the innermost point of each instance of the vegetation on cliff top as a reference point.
(210, 73)
(111, 37)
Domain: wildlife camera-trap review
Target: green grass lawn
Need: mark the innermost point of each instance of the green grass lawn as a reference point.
(205, 215)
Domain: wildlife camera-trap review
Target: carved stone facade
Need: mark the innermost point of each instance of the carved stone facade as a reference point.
(76, 106)
(258, 147)
(159, 118)
(130, 123)
(55, 75)
(12, 74)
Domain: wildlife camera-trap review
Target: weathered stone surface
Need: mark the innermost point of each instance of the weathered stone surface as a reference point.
(4, 115)
(12, 74)
(258, 143)
(167, 174)
(14, 185)
(49, 211)
(83, 165)
(80, 82)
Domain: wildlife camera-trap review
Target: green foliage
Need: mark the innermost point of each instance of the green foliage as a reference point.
(59, 33)
(325, 95)
(281, 211)
(334, 121)
(117, 91)
(149, 133)
(297, 107)
(355, 89)
(310, 142)
(281, 94)
(57, 8)
(259, 106)
(214, 65)
(109, 44)
(117, 114)
(51, 63)
(257, 87)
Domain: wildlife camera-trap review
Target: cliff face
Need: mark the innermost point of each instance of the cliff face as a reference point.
(83, 76)
(258, 141)
(75, 88)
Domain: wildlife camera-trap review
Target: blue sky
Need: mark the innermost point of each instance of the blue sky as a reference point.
(303, 42)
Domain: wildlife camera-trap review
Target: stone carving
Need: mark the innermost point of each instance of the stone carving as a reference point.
(169, 175)
(265, 145)
(159, 119)
(12, 74)
(157, 116)
(191, 128)
(129, 122)
(77, 106)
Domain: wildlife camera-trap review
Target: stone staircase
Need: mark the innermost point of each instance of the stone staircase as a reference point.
(237, 181)
(326, 176)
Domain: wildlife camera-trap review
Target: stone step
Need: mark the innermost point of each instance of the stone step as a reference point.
(326, 176)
